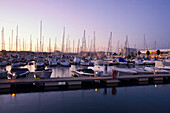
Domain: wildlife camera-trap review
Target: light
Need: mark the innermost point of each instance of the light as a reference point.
(95, 89)
(156, 86)
(13, 95)
(155, 70)
(96, 73)
(13, 74)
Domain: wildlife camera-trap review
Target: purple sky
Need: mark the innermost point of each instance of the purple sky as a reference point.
(122, 17)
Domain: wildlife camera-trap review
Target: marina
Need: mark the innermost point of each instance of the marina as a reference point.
(84, 56)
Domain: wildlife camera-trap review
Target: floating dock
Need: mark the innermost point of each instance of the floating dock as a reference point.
(78, 81)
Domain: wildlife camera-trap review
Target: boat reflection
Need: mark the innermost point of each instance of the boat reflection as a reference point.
(113, 90)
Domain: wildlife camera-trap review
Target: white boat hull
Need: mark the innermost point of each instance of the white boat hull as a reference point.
(43, 74)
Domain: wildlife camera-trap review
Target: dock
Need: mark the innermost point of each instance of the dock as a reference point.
(78, 81)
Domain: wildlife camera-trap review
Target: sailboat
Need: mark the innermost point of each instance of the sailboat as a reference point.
(40, 71)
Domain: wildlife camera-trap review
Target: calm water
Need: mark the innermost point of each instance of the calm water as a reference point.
(136, 99)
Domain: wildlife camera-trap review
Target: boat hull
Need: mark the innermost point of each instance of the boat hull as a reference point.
(43, 74)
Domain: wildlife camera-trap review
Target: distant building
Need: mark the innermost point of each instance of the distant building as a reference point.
(124, 52)
(163, 52)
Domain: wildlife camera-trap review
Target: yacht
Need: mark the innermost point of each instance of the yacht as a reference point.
(156, 70)
(82, 72)
(43, 74)
(162, 65)
(65, 63)
(17, 72)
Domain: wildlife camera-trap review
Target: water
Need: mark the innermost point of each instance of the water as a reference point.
(135, 99)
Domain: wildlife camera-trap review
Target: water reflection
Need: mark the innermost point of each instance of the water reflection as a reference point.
(90, 100)
(13, 95)
(113, 91)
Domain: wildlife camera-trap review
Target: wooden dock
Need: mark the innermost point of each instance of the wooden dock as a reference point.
(78, 81)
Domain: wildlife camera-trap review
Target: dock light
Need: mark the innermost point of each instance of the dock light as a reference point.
(13, 74)
(96, 73)
(155, 86)
(95, 89)
(155, 71)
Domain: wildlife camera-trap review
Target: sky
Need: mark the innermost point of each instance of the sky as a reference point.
(133, 18)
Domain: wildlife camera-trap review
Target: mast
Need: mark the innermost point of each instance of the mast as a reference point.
(50, 45)
(91, 46)
(40, 36)
(2, 39)
(12, 41)
(109, 49)
(144, 42)
(55, 47)
(84, 42)
(118, 47)
(17, 39)
(30, 43)
(78, 45)
(69, 45)
(94, 43)
(37, 44)
(62, 50)
(43, 45)
(23, 45)
(73, 46)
